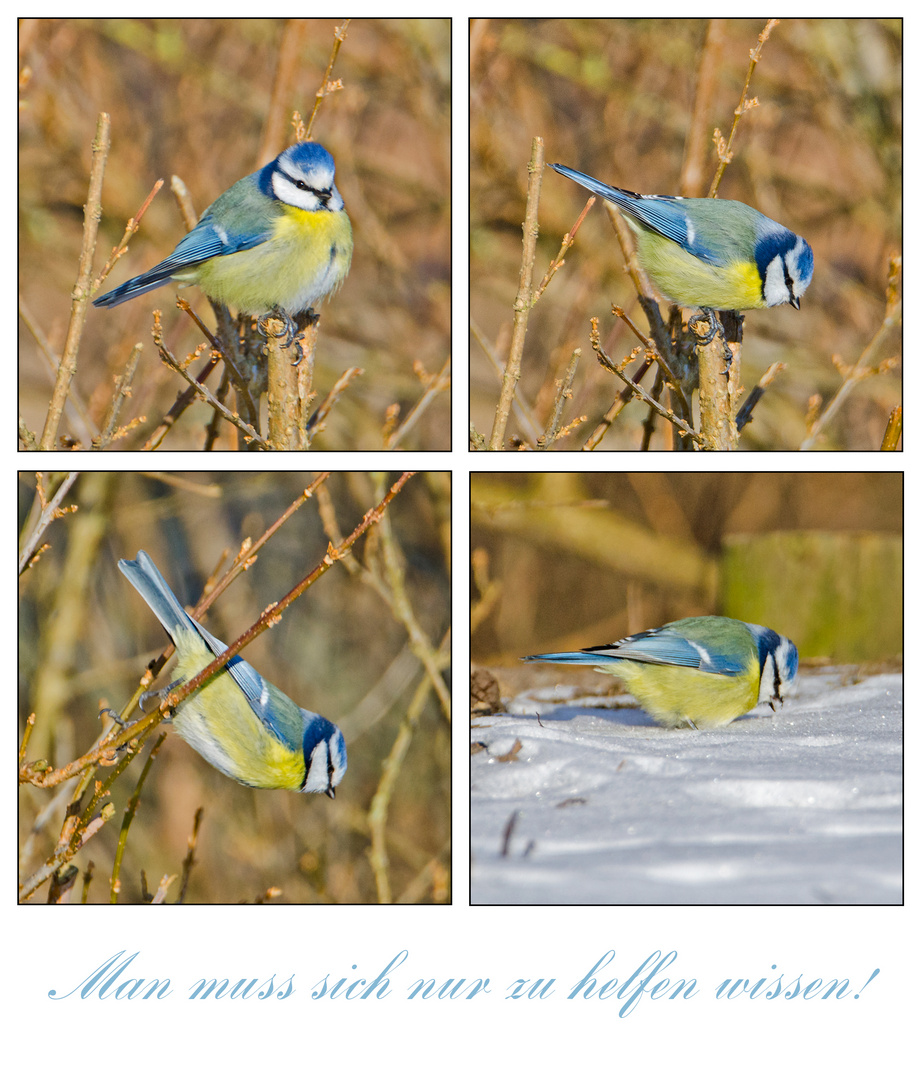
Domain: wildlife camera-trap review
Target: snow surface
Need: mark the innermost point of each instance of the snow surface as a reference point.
(599, 805)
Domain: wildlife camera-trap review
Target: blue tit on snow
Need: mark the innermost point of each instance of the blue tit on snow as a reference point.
(237, 721)
(278, 239)
(702, 672)
(711, 253)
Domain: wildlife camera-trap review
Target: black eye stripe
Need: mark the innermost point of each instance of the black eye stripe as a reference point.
(321, 193)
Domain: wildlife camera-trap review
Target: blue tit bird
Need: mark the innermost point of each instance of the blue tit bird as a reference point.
(702, 672)
(237, 721)
(711, 253)
(278, 239)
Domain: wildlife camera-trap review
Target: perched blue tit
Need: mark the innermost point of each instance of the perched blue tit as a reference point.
(702, 672)
(279, 238)
(237, 721)
(711, 253)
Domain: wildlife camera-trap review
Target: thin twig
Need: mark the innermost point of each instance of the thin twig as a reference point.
(523, 303)
(745, 412)
(564, 393)
(81, 296)
(558, 261)
(316, 423)
(328, 87)
(724, 149)
(617, 406)
(131, 227)
(49, 512)
(437, 385)
(120, 395)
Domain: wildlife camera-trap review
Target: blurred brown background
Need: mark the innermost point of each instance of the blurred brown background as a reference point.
(569, 560)
(614, 98)
(85, 638)
(192, 97)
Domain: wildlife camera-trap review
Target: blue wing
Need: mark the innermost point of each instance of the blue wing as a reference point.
(262, 696)
(206, 240)
(662, 646)
(160, 598)
(663, 214)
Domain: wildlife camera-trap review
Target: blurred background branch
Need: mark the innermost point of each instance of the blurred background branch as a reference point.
(567, 560)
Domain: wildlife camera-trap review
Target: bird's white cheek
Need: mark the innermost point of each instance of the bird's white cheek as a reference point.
(318, 768)
(769, 682)
(775, 287)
